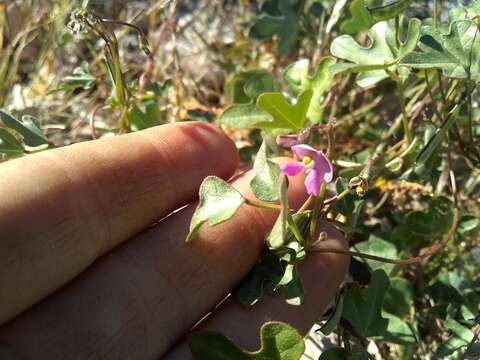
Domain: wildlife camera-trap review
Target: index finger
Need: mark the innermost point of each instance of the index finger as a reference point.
(62, 209)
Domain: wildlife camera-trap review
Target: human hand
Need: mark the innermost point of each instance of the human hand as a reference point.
(85, 275)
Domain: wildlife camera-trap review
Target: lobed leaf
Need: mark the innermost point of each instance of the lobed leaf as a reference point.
(278, 341)
(363, 307)
(297, 79)
(383, 52)
(285, 116)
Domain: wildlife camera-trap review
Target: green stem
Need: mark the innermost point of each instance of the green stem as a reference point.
(263, 205)
(337, 197)
(470, 118)
(294, 229)
(306, 205)
(316, 210)
(435, 13)
(401, 96)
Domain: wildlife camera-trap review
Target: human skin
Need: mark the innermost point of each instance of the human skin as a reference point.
(94, 264)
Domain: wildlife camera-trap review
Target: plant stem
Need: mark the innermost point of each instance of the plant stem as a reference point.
(337, 197)
(263, 205)
(306, 204)
(435, 13)
(470, 118)
(401, 96)
(316, 210)
(294, 229)
(423, 254)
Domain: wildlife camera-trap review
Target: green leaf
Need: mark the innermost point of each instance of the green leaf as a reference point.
(461, 336)
(285, 115)
(329, 326)
(399, 297)
(286, 26)
(435, 221)
(386, 9)
(338, 353)
(219, 201)
(437, 138)
(80, 78)
(9, 145)
(278, 342)
(363, 307)
(144, 115)
(27, 128)
(456, 53)
(266, 183)
(297, 79)
(360, 18)
(467, 224)
(244, 91)
(465, 12)
(382, 53)
(245, 116)
(379, 247)
(397, 332)
(346, 205)
(277, 269)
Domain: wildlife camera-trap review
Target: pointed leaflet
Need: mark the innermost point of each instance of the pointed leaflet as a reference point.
(286, 26)
(267, 182)
(363, 307)
(382, 53)
(219, 201)
(278, 341)
(297, 79)
(457, 53)
(27, 128)
(244, 90)
(285, 116)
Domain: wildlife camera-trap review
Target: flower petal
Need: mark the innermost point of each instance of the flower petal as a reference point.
(302, 150)
(312, 182)
(292, 168)
(324, 167)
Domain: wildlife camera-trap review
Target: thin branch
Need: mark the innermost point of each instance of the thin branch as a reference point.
(423, 254)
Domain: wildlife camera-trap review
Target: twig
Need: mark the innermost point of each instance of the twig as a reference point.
(423, 254)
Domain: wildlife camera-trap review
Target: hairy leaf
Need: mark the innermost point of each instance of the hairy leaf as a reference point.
(218, 202)
(267, 181)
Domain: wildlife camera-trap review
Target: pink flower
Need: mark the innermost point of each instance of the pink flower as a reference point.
(314, 163)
